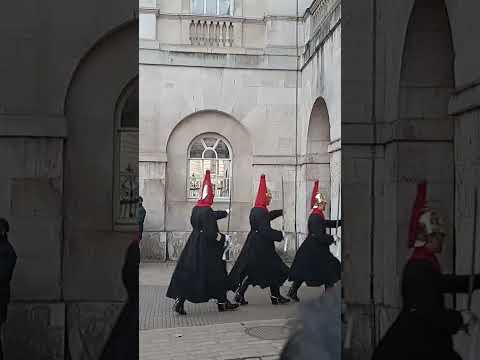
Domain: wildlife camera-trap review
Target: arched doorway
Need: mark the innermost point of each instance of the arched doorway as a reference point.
(213, 140)
(91, 111)
(425, 130)
(317, 157)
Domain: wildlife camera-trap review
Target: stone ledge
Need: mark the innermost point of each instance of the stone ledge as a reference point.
(230, 61)
(33, 125)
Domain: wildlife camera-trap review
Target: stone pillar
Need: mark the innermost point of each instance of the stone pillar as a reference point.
(152, 188)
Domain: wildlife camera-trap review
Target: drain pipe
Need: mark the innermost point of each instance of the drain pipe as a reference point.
(296, 127)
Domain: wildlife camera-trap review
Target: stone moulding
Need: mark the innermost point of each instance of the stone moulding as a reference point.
(33, 125)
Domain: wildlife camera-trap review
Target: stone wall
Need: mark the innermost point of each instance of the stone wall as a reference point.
(57, 118)
(421, 115)
(245, 93)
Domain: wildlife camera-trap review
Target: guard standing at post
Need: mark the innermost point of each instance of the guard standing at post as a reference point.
(141, 214)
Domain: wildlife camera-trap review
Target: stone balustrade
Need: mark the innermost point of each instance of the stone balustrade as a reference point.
(321, 9)
(211, 32)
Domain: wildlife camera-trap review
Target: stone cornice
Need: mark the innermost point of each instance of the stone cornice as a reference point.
(218, 60)
(31, 125)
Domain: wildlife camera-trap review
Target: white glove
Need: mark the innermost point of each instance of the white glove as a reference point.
(228, 211)
(470, 319)
(228, 239)
(219, 236)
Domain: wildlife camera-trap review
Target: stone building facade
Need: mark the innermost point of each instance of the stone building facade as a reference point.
(242, 88)
(67, 96)
(410, 112)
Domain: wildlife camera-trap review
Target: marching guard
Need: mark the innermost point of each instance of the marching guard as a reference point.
(258, 262)
(200, 273)
(314, 264)
(424, 327)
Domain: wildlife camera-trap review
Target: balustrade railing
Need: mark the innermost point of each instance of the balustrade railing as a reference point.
(211, 33)
(322, 9)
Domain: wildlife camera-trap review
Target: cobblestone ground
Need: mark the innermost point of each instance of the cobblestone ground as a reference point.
(256, 331)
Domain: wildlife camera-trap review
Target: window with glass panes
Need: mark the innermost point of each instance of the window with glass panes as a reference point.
(209, 152)
(212, 7)
(127, 157)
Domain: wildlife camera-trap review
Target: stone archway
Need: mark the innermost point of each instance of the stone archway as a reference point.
(177, 200)
(315, 164)
(424, 130)
(93, 250)
(317, 159)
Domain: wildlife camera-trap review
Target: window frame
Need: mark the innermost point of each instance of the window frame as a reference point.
(128, 90)
(204, 13)
(218, 137)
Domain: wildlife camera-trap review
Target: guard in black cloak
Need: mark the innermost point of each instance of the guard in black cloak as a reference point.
(123, 341)
(200, 274)
(425, 327)
(314, 264)
(8, 259)
(258, 262)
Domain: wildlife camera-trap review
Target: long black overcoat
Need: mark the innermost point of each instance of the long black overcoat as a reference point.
(200, 273)
(8, 259)
(258, 258)
(314, 263)
(424, 328)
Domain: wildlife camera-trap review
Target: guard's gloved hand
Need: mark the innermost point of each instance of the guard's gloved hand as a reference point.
(219, 236)
(470, 320)
(228, 211)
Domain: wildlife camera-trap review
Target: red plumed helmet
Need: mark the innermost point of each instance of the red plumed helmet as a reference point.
(206, 194)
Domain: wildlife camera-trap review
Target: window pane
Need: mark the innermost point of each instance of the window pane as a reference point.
(210, 141)
(197, 6)
(222, 150)
(195, 178)
(224, 7)
(211, 7)
(223, 178)
(196, 150)
(210, 154)
(210, 165)
(130, 110)
(128, 177)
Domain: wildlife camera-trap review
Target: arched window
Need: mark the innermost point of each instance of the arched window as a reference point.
(209, 152)
(212, 7)
(126, 182)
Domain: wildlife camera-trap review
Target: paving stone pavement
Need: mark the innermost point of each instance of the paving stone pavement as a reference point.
(204, 333)
(210, 342)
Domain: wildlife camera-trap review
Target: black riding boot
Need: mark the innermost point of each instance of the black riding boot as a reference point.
(276, 297)
(292, 293)
(224, 305)
(178, 306)
(240, 293)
